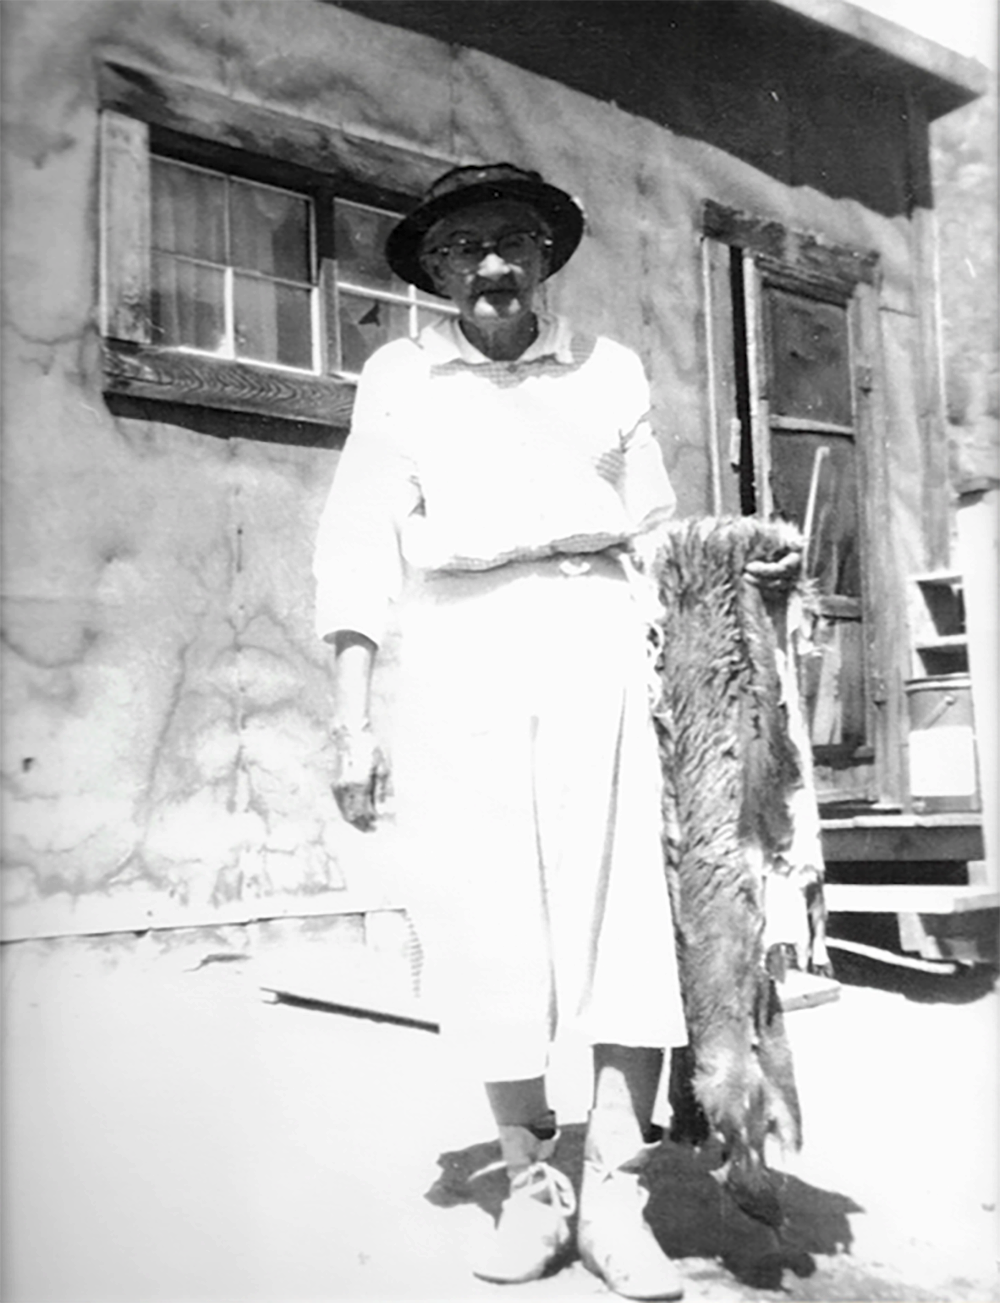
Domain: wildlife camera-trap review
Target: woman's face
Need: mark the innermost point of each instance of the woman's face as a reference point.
(462, 256)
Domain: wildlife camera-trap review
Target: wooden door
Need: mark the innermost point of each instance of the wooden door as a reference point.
(806, 466)
(795, 409)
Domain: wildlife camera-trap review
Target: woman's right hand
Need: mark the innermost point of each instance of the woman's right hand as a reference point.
(361, 776)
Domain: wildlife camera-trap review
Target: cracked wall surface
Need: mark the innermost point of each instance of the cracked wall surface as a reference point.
(965, 171)
(166, 756)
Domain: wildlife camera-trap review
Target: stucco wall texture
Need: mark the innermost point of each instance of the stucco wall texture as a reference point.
(166, 756)
(965, 175)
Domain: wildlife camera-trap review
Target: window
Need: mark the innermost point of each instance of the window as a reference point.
(233, 268)
(373, 305)
(234, 273)
(814, 461)
(241, 251)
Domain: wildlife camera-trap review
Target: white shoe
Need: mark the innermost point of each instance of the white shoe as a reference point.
(614, 1239)
(532, 1233)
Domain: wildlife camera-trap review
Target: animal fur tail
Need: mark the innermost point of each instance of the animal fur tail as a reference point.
(728, 767)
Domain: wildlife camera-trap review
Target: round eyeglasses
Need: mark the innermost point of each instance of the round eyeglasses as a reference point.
(465, 253)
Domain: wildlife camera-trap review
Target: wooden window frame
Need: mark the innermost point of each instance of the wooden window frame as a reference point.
(142, 114)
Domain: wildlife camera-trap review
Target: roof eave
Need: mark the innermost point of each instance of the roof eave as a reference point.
(944, 79)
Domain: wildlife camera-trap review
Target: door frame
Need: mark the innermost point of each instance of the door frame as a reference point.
(738, 251)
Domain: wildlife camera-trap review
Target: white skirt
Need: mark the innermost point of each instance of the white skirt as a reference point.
(527, 788)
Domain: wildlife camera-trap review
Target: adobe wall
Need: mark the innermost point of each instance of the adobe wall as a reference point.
(964, 159)
(166, 756)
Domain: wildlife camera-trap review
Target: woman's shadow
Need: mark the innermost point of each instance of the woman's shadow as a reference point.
(690, 1214)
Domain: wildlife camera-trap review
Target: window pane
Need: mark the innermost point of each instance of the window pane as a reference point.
(833, 684)
(826, 466)
(187, 304)
(426, 315)
(366, 324)
(809, 358)
(273, 322)
(359, 240)
(188, 211)
(270, 231)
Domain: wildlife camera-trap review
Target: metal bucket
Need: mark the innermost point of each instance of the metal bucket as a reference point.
(942, 744)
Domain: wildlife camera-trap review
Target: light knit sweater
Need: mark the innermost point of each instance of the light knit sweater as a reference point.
(459, 463)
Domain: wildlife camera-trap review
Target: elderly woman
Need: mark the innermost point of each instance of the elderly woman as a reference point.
(500, 468)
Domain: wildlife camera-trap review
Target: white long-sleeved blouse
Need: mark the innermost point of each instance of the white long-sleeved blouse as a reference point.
(457, 462)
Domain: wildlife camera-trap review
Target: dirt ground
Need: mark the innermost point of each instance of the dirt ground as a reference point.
(170, 1136)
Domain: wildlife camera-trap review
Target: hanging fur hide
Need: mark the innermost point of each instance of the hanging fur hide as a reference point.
(729, 769)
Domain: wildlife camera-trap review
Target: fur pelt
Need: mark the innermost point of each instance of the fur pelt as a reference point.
(728, 767)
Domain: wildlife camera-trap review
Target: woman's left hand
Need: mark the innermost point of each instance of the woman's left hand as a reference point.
(775, 578)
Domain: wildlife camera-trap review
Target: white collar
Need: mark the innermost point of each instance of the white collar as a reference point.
(445, 342)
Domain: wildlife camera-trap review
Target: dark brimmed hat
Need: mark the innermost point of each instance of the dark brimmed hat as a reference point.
(464, 187)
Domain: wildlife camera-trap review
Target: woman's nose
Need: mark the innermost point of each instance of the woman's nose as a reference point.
(491, 264)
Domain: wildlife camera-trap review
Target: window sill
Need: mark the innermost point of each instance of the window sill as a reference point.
(143, 371)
